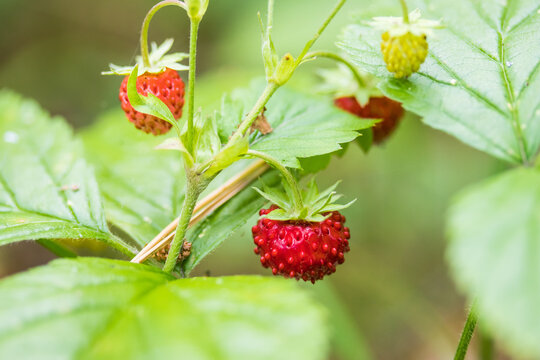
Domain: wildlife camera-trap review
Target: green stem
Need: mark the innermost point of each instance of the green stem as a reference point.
(467, 334)
(272, 87)
(254, 112)
(338, 58)
(405, 11)
(192, 194)
(146, 25)
(270, 16)
(297, 196)
(193, 34)
(310, 43)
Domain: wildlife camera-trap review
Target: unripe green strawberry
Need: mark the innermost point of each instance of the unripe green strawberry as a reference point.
(404, 54)
(404, 41)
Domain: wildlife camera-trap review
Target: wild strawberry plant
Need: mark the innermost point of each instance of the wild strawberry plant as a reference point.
(169, 203)
(119, 192)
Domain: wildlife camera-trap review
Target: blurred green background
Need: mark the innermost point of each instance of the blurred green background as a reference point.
(394, 283)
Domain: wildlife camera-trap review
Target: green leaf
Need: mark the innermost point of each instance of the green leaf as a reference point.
(303, 126)
(494, 254)
(150, 104)
(47, 190)
(143, 189)
(365, 140)
(314, 164)
(103, 309)
(481, 80)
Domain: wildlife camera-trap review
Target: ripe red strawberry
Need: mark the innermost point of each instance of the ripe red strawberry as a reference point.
(378, 107)
(301, 249)
(168, 87)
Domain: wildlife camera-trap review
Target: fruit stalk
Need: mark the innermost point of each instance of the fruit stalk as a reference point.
(467, 334)
(310, 43)
(405, 11)
(338, 58)
(193, 34)
(146, 25)
(289, 178)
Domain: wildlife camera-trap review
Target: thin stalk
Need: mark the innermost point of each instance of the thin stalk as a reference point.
(193, 34)
(405, 11)
(338, 58)
(270, 16)
(192, 193)
(254, 112)
(310, 43)
(289, 178)
(467, 334)
(146, 25)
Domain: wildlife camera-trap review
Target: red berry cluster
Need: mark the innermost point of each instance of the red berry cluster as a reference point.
(388, 110)
(301, 249)
(168, 87)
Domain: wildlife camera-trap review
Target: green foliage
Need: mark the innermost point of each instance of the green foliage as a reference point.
(104, 309)
(142, 188)
(303, 126)
(480, 81)
(494, 254)
(47, 190)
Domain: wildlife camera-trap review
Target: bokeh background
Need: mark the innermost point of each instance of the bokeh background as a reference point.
(394, 284)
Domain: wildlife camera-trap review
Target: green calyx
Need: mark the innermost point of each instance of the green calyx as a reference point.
(314, 205)
(158, 58)
(341, 82)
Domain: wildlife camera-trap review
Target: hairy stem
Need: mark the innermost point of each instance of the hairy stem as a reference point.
(192, 194)
(210, 203)
(289, 178)
(310, 43)
(193, 33)
(467, 334)
(146, 25)
(405, 11)
(270, 16)
(338, 58)
(254, 112)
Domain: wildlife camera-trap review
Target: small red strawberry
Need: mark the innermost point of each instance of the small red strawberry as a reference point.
(168, 87)
(301, 249)
(378, 107)
(360, 96)
(158, 76)
(304, 241)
